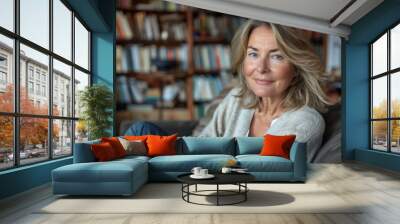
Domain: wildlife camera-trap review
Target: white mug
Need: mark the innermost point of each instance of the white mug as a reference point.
(226, 170)
(203, 172)
(196, 170)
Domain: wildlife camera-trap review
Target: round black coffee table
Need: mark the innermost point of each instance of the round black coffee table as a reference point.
(238, 179)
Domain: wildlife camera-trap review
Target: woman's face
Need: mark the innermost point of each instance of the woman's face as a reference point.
(266, 70)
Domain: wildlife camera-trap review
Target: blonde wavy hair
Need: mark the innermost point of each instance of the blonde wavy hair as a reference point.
(306, 86)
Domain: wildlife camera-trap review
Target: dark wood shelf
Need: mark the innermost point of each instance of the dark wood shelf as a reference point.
(211, 40)
(179, 105)
(197, 12)
(150, 11)
(207, 72)
(151, 42)
(202, 102)
(155, 79)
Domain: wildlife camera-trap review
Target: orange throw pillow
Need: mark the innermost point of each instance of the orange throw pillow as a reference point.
(135, 138)
(277, 145)
(103, 152)
(161, 145)
(116, 145)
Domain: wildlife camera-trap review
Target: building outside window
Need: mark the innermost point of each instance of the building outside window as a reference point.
(43, 78)
(3, 61)
(30, 87)
(37, 75)
(30, 72)
(3, 72)
(43, 90)
(38, 89)
(3, 81)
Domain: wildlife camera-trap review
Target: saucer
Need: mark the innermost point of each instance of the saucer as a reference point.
(208, 176)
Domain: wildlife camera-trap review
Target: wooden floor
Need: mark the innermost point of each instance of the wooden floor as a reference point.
(377, 188)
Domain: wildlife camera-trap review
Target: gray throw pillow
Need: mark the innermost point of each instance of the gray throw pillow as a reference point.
(137, 147)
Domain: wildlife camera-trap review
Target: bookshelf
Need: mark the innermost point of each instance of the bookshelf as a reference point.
(151, 30)
(196, 41)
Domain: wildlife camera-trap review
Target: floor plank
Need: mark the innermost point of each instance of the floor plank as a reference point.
(377, 190)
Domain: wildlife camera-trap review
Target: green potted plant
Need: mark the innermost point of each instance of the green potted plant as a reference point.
(96, 102)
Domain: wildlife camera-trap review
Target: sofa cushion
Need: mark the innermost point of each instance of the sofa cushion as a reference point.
(275, 145)
(249, 145)
(116, 145)
(161, 145)
(135, 147)
(111, 171)
(185, 163)
(103, 152)
(209, 145)
(131, 158)
(257, 163)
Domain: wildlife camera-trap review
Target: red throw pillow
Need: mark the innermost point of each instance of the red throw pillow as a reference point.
(103, 151)
(277, 145)
(116, 145)
(161, 145)
(134, 138)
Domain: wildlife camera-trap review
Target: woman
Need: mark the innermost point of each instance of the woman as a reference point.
(279, 91)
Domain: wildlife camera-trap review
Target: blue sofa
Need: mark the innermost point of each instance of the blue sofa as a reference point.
(125, 176)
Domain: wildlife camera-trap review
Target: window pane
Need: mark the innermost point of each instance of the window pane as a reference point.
(395, 47)
(34, 79)
(395, 94)
(379, 97)
(81, 131)
(379, 55)
(62, 89)
(33, 139)
(395, 138)
(6, 74)
(81, 45)
(6, 142)
(7, 14)
(62, 138)
(62, 29)
(81, 81)
(35, 21)
(379, 135)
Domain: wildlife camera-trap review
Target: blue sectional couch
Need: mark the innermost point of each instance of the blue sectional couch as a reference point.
(125, 176)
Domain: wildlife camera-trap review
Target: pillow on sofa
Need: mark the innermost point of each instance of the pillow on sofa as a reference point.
(103, 151)
(134, 138)
(277, 145)
(161, 145)
(135, 147)
(116, 145)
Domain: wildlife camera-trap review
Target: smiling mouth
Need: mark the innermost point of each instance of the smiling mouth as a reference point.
(264, 82)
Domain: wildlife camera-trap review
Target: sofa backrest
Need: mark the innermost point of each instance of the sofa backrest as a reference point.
(249, 145)
(83, 152)
(209, 145)
(253, 145)
(195, 145)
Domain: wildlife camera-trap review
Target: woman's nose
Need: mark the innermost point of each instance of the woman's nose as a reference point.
(263, 65)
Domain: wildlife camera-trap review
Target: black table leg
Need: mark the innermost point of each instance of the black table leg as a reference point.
(245, 193)
(217, 194)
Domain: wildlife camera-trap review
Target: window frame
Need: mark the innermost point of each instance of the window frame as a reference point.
(388, 74)
(16, 114)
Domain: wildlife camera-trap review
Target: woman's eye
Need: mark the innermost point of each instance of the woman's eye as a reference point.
(277, 57)
(252, 54)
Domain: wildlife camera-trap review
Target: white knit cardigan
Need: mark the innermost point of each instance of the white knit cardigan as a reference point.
(232, 120)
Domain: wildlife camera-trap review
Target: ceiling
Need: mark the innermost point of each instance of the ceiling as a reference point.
(326, 16)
